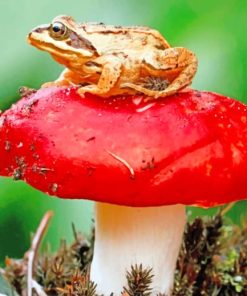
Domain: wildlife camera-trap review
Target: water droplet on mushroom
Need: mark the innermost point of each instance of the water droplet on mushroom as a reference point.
(20, 145)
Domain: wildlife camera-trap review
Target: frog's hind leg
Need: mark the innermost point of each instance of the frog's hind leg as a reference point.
(173, 58)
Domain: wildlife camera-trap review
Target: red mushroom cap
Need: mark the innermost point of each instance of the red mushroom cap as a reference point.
(190, 148)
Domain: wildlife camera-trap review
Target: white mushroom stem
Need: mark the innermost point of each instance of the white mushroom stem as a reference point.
(126, 236)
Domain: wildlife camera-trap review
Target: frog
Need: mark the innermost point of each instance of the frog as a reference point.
(108, 60)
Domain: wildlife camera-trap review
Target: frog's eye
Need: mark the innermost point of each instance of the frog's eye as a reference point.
(58, 30)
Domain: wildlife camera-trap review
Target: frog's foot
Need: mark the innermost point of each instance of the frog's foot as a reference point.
(92, 89)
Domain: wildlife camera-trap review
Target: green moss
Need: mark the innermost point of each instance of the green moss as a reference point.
(212, 261)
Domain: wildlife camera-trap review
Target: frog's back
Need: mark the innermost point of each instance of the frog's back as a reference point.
(117, 38)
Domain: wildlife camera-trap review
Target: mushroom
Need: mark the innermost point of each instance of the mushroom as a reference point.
(142, 162)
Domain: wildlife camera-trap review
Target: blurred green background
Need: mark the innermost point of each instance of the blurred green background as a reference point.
(214, 30)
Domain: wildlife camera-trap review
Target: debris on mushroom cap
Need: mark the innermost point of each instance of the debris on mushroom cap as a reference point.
(190, 148)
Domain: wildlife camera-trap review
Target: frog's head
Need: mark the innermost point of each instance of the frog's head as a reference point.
(64, 41)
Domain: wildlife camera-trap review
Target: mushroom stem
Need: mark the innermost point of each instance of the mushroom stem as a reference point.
(127, 236)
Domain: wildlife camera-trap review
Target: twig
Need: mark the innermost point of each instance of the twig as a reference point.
(32, 253)
(74, 232)
(39, 290)
(227, 208)
(124, 162)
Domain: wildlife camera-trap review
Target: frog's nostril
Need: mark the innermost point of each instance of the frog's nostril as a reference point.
(38, 30)
(41, 29)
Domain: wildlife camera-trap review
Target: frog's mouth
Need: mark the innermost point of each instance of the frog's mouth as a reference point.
(40, 38)
(35, 39)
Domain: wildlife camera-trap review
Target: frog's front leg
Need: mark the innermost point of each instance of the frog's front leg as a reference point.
(66, 78)
(110, 73)
(161, 66)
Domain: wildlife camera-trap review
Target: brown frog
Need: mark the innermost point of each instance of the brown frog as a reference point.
(110, 60)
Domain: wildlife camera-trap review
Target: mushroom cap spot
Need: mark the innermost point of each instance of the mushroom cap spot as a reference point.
(190, 148)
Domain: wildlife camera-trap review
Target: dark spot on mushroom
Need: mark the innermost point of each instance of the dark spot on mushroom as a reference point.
(132, 177)
(53, 143)
(19, 171)
(32, 147)
(90, 170)
(44, 170)
(91, 139)
(2, 120)
(7, 146)
(41, 170)
(17, 174)
(26, 91)
(20, 161)
(148, 165)
(35, 156)
(27, 108)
